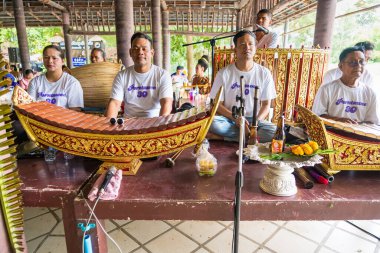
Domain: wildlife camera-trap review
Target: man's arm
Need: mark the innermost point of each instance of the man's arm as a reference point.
(264, 110)
(340, 119)
(113, 108)
(166, 106)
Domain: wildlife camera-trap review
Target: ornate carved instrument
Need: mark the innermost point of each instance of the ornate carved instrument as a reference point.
(357, 146)
(122, 144)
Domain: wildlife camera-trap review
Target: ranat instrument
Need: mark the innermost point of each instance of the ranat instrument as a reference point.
(119, 145)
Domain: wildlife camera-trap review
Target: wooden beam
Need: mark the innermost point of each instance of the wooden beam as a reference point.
(37, 18)
(55, 15)
(54, 5)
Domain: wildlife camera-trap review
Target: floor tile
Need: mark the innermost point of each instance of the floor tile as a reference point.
(39, 226)
(140, 250)
(369, 226)
(173, 242)
(138, 229)
(121, 222)
(200, 231)
(345, 242)
(325, 250)
(314, 230)
(263, 250)
(353, 230)
(226, 223)
(173, 222)
(124, 241)
(53, 244)
(257, 231)
(279, 222)
(33, 244)
(286, 241)
(202, 251)
(109, 225)
(223, 243)
(30, 212)
(59, 229)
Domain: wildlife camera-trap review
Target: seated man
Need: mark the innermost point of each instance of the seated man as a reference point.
(178, 77)
(145, 88)
(264, 18)
(347, 99)
(56, 86)
(225, 126)
(366, 77)
(97, 55)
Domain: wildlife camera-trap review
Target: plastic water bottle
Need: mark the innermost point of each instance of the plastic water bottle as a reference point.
(49, 154)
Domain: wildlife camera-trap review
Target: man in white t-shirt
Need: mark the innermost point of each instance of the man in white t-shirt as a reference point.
(270, 40)
(366, 77)
(146, 89)
(225, 126)
(56, 86)
(348, 99)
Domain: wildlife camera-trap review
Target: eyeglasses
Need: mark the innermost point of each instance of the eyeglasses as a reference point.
(356, 63)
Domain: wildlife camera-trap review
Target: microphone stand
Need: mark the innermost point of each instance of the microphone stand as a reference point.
(213, 42)
(239, 178)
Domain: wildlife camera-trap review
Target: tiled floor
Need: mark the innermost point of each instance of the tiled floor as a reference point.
(44, 233)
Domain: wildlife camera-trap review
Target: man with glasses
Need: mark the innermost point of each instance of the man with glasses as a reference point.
(146, 89)
(366, 77)
(348, 99)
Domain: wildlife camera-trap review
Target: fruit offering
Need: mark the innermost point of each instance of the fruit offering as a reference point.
(305, 149)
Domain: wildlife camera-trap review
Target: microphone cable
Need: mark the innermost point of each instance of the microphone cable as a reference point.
(92, 213)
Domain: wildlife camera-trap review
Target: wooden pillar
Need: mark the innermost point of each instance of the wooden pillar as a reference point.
(166, 40)
(85, 37)
(66, 26)
(238, 20)
(22, 39)
(324, 23)
(190, 57)
(124, 30)
(156, 31)
(255, 10)
(286, 30)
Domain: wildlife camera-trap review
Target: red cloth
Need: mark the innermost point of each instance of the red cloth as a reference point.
(112, 189)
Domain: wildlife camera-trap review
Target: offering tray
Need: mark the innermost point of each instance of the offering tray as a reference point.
(278, 178)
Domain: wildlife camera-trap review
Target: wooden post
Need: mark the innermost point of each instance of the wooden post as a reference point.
(156, 31)
(285, 38)
(124, 30)
(22, 39)
(85, 37)
(65, 27)
(238, 20)
(324, 23)
(190, 57)
(166, 40)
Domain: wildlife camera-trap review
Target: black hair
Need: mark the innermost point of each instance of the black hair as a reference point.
(203, 61)
(265, 11)
(349, 50)
(241, 34)
(180, 67)
(140, 35)
(366, 45)
(61, 54)
(28, 71)
(99, 50)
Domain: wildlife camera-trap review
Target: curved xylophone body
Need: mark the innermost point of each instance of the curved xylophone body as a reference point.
(120, 145)
(357, 146)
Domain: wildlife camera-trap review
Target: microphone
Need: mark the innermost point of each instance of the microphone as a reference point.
(261, 29)
(110, 173)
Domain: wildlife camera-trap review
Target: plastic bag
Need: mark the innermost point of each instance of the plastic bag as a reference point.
(206, 163)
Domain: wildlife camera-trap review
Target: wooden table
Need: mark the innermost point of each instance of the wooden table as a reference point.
(56, 185)
(159, 193)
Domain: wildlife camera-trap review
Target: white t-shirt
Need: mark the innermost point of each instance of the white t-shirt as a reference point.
(141, 92)
(268, 40)
(229, 78)
(179, 80)
(66, 92)
(338, 100)
(334, 74)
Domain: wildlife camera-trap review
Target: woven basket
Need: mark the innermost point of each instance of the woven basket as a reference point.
(96, 80)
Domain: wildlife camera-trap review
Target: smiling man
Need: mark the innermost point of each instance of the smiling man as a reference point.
(146, 89)
(270, 40)
(225, 126)
(348, 99)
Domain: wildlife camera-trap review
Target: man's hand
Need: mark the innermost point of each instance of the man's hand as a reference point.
(113, 108)
(347, 120)
(246, 125)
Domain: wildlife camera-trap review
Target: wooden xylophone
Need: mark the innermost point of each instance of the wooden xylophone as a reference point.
(119, 145)
(357, 146)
